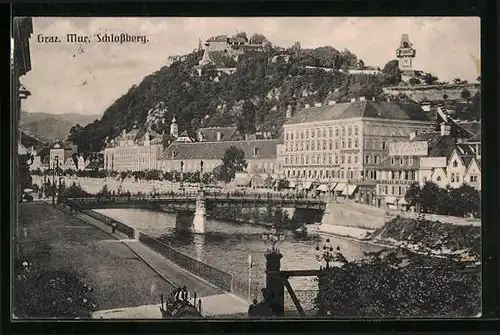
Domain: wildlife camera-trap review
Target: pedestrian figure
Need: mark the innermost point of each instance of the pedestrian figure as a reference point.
(253, 310)
(178, 294)
(184, 293)
(113, 227)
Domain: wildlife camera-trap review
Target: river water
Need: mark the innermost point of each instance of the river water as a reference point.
(226, 246)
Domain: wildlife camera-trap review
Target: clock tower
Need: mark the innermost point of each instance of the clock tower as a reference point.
(405, 54)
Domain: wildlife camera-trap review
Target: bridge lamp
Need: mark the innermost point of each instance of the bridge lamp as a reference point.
(274, 237)
(327, 254)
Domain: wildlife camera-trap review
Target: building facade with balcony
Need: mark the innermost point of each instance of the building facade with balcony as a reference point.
(344, 143)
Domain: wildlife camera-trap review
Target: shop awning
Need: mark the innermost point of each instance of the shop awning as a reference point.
(307, 185)
(322, 188)
(390, 200)
(349, 190)
(340, 187)
(402, 201)
(331, 186)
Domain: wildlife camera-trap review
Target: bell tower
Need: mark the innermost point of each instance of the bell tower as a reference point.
(405, 53)
(174, 129)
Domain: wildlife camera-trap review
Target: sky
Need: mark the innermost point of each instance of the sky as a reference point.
(87, 78)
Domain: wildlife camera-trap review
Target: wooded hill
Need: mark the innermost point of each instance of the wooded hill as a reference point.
(254, 98)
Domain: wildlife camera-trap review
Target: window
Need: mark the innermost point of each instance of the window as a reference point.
(349, 143)
(343, 144)
(452, 178)
(307, 159)
(324, 132)
(349, 131)
(286, 159)
(330, 132)
(375, 159)
(302, 160)
(312, 133)
(309, 174)
(307, 145)
(327, 174)
(324, 144)
(356, 130)
(455, 164)
(342, 159)
(301, 135)
(330, 159)
(384, 145)
(343, 131)
(336, 159)
(336, 132)
(330, 145)
(438, 178)
(473, 179)
(356, 143)
(367, 159)
(337, 144)
(355, 159)
(291, 136)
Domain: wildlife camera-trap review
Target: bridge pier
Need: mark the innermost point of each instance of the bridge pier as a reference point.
(200, 214)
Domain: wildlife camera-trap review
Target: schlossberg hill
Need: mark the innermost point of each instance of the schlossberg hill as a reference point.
(264, 84)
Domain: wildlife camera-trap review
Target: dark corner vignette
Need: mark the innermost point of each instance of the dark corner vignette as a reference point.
(247, 176)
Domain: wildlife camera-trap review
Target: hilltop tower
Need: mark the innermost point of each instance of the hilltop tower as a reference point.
(405, 54)
(174, 129)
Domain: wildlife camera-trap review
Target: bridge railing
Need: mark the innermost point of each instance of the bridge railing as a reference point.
(212, 275)
(109, 221)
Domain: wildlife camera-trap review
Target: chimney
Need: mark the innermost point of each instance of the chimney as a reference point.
(353, 100)
(317, 104)
(445, 129)
(306, 106)
(412, 135)
(332, 102)
(218, 136)
(362, 99)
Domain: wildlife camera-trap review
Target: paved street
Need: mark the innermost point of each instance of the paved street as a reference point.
(123, 272)
(57, 241)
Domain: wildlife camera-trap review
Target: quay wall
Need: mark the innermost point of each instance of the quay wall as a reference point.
(212, 275)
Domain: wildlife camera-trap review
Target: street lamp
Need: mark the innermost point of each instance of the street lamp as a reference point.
(182, 175)
(327, 254)
(201, 175)
(274, 237)
(54, 167)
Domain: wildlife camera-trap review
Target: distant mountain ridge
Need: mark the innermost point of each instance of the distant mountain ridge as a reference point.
(52, 127)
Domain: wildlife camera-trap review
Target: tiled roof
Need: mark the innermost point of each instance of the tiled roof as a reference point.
(210, 134)
(258, 149)
(368, 109)
(472, 127)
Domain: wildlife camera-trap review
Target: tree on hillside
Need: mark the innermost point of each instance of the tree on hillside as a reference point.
(246, 121)
(242, 35)
(392, 72)
(429, 79)
(258, 39)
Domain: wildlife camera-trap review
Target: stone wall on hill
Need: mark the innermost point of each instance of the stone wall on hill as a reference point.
(432, 92)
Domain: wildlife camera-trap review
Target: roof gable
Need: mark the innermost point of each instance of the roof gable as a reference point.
(472, 166)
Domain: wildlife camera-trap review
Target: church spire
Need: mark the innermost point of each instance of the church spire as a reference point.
(174, 129)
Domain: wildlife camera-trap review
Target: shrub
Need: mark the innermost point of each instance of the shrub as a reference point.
(398, 283)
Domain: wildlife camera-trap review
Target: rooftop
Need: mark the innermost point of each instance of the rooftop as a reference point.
(363, 109)
(226, 134)
(256, 149)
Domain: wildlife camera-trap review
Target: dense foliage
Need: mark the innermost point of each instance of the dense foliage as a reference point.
(398, 283)
(255, 96)
(49, 293)
(232, 162)
(461, 201)
(24, 179)
(432, 235)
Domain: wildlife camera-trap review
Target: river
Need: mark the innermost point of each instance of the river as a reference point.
(226, 245)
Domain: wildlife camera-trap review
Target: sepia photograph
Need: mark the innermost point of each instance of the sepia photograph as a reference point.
(246, 167)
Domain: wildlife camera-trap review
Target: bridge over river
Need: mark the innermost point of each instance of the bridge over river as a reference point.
(198, 203)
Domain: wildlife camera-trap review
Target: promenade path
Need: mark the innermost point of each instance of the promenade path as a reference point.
(127, 276)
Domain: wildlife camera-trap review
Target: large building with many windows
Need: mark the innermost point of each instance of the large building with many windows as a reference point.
(344, 143)
(450, 156)
(131, 152)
